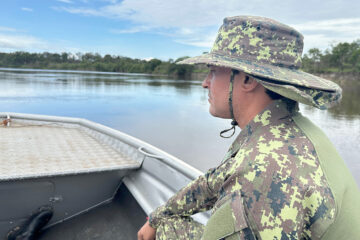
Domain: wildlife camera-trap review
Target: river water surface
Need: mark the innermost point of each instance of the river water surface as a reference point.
(167, 113)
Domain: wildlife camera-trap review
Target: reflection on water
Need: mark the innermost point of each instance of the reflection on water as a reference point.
(349, 107)
(170, 114)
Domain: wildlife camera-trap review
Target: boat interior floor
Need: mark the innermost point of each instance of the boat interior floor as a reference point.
(120, 219)
(53, 149)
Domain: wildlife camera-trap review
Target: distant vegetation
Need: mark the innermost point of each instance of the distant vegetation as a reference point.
(343, 57)
(94, 62)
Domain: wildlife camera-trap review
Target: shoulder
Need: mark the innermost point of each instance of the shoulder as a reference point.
(278, 149)
(282, 183)
(282, 155)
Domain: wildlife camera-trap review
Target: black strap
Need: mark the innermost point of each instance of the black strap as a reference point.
(233, 123)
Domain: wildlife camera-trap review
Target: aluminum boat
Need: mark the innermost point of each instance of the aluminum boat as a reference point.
(99, 182)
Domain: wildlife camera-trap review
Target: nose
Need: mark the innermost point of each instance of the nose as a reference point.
(205, 83)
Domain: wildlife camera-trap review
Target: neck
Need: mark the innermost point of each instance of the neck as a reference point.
(250, 109)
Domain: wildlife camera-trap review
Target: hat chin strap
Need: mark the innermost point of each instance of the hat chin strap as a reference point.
(233, 122)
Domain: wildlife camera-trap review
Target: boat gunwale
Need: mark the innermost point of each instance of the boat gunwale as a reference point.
(140, 145)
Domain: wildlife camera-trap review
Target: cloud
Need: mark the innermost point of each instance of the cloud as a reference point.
(7, 29)
(135, 29)
(342, 26)
(27, 9)
(170, 18)
(199, 37)
(159, 13)
(65, 1)
(20, 42)
(148, 59)
(321, 34)
(82, 11)
(12, 42)
(110, 1)
(196, 22)
(197, 42)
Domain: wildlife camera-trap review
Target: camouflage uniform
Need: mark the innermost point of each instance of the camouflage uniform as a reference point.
(271, 184)
(281, 178)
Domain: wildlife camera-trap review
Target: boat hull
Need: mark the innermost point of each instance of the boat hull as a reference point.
(142, 177)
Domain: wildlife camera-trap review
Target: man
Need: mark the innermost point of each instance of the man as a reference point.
(281, 178)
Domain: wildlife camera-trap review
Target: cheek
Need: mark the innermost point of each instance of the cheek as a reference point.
(222, 90)
(211, 80)
(220, 96)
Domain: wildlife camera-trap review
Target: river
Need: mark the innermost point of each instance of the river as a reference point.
(169, 114)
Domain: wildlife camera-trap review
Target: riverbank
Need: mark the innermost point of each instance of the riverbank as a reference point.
(340, 78)
(30, 70)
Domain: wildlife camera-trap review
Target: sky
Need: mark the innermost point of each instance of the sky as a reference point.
(161, 29)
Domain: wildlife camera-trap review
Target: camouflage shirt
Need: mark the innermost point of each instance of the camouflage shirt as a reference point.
(271, 181)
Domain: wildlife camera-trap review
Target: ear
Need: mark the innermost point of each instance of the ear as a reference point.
(247, 83)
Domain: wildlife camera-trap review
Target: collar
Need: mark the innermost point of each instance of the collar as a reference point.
(277, 111)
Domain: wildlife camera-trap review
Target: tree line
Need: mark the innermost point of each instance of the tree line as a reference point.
(94, 62)
(343, 57)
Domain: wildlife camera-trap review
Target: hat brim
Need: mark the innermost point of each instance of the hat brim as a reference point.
(282, 74)
(313, 97)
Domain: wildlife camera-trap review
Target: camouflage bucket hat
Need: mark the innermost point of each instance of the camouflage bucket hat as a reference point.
(271, 51)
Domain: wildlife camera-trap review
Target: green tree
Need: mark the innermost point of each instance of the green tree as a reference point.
(342, 57)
